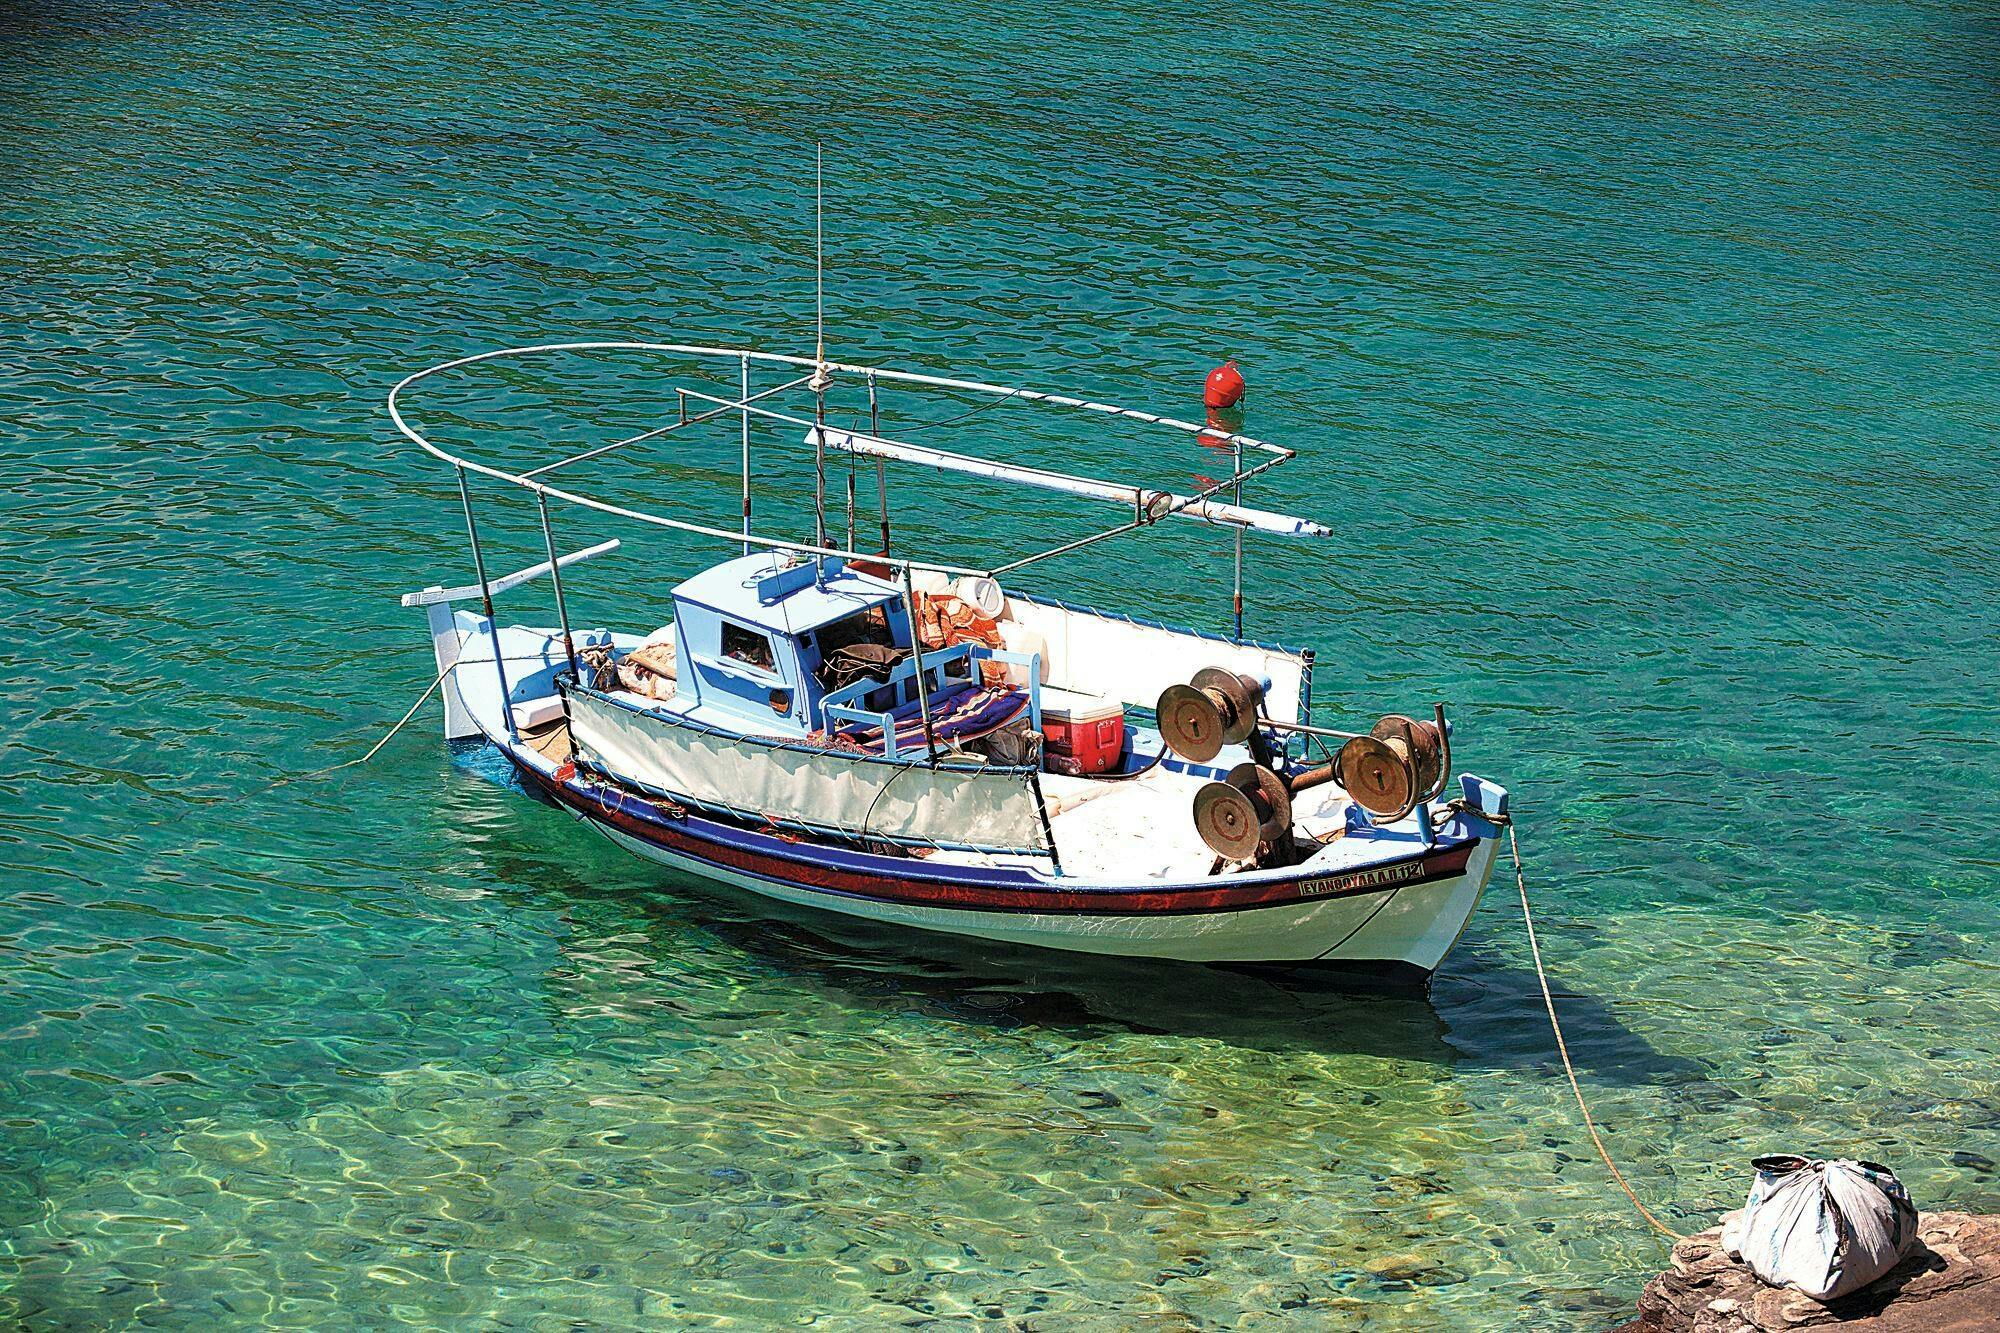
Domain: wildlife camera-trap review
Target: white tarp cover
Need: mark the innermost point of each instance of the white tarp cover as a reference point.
(1116, 659)
(1827, 1228)
(989, 811)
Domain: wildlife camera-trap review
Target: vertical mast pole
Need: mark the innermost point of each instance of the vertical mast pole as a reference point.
(1239, 547)
(486, 595)
(820, 377)
(881, 474)
(746, 454)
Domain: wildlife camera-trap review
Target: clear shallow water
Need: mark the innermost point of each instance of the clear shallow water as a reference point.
(1646, 356)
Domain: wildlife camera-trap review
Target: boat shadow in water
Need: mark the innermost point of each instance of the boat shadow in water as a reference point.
(1269, 1009)
(1482, 1012)
(977, 981)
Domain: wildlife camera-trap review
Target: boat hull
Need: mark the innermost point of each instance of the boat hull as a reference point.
(1402, 915)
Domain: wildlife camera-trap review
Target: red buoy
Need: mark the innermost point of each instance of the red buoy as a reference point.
(1224, 387)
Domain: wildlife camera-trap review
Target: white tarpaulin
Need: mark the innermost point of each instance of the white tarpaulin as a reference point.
(827, 788)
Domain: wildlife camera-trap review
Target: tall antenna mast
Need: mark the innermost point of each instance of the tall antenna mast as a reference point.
(820, 378)
(819, 258)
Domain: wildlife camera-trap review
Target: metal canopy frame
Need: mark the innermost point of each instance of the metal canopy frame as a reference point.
(1149, 506)
(820, 372)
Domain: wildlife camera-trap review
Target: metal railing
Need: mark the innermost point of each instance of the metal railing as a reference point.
(1149, 507)
(747, 406)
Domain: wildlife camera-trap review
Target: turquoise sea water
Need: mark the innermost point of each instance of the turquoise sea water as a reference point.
(1644, 354)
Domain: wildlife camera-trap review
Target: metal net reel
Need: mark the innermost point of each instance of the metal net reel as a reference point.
(1400, 762)
(1215, 709)
(1247, 809)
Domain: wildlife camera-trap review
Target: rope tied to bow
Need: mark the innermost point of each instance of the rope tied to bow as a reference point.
(1555, 1026)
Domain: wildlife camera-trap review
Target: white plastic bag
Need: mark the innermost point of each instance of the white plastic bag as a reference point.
(1827, 1228)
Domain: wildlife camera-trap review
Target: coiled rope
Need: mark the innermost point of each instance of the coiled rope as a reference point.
(1535, 947)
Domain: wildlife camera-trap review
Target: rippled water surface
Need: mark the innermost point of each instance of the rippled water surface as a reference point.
(1643, 355)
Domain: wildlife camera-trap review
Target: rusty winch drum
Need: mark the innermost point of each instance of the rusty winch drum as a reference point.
(1400, 762)
(1215, 709)
(1249, 807)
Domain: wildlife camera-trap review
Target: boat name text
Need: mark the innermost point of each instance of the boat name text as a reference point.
(1377, 878)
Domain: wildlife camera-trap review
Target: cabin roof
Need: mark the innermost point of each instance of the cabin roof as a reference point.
(771, 592)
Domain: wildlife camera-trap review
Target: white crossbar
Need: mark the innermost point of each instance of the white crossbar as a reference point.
(1135, 498)
(435, 596)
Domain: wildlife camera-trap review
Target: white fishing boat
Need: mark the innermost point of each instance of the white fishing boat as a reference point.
(889, 736)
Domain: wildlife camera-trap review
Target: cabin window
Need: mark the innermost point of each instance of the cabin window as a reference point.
(747, 645)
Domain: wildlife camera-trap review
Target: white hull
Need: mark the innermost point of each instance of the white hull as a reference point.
(1408, 927)
(1328, 910)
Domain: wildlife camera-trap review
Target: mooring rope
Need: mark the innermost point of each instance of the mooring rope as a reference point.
(1534, 946)
(376, 748)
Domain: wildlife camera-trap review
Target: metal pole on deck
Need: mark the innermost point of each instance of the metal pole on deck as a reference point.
(746, 454)
(486, 595)
(917, 649)
(881, 468)
(820, 377)
(555, 577)
(1239, 546)
(819, 466)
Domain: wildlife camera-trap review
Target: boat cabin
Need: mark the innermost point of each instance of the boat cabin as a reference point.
(762, 639)
(771, 646)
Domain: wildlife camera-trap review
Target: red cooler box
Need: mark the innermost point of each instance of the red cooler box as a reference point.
(1084, 737)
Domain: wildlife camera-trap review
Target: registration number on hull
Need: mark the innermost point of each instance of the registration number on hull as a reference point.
(1377, 877)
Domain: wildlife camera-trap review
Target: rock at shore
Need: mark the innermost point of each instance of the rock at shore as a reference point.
(1950, 1283)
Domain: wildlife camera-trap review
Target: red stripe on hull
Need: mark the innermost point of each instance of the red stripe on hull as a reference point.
(942, 893)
